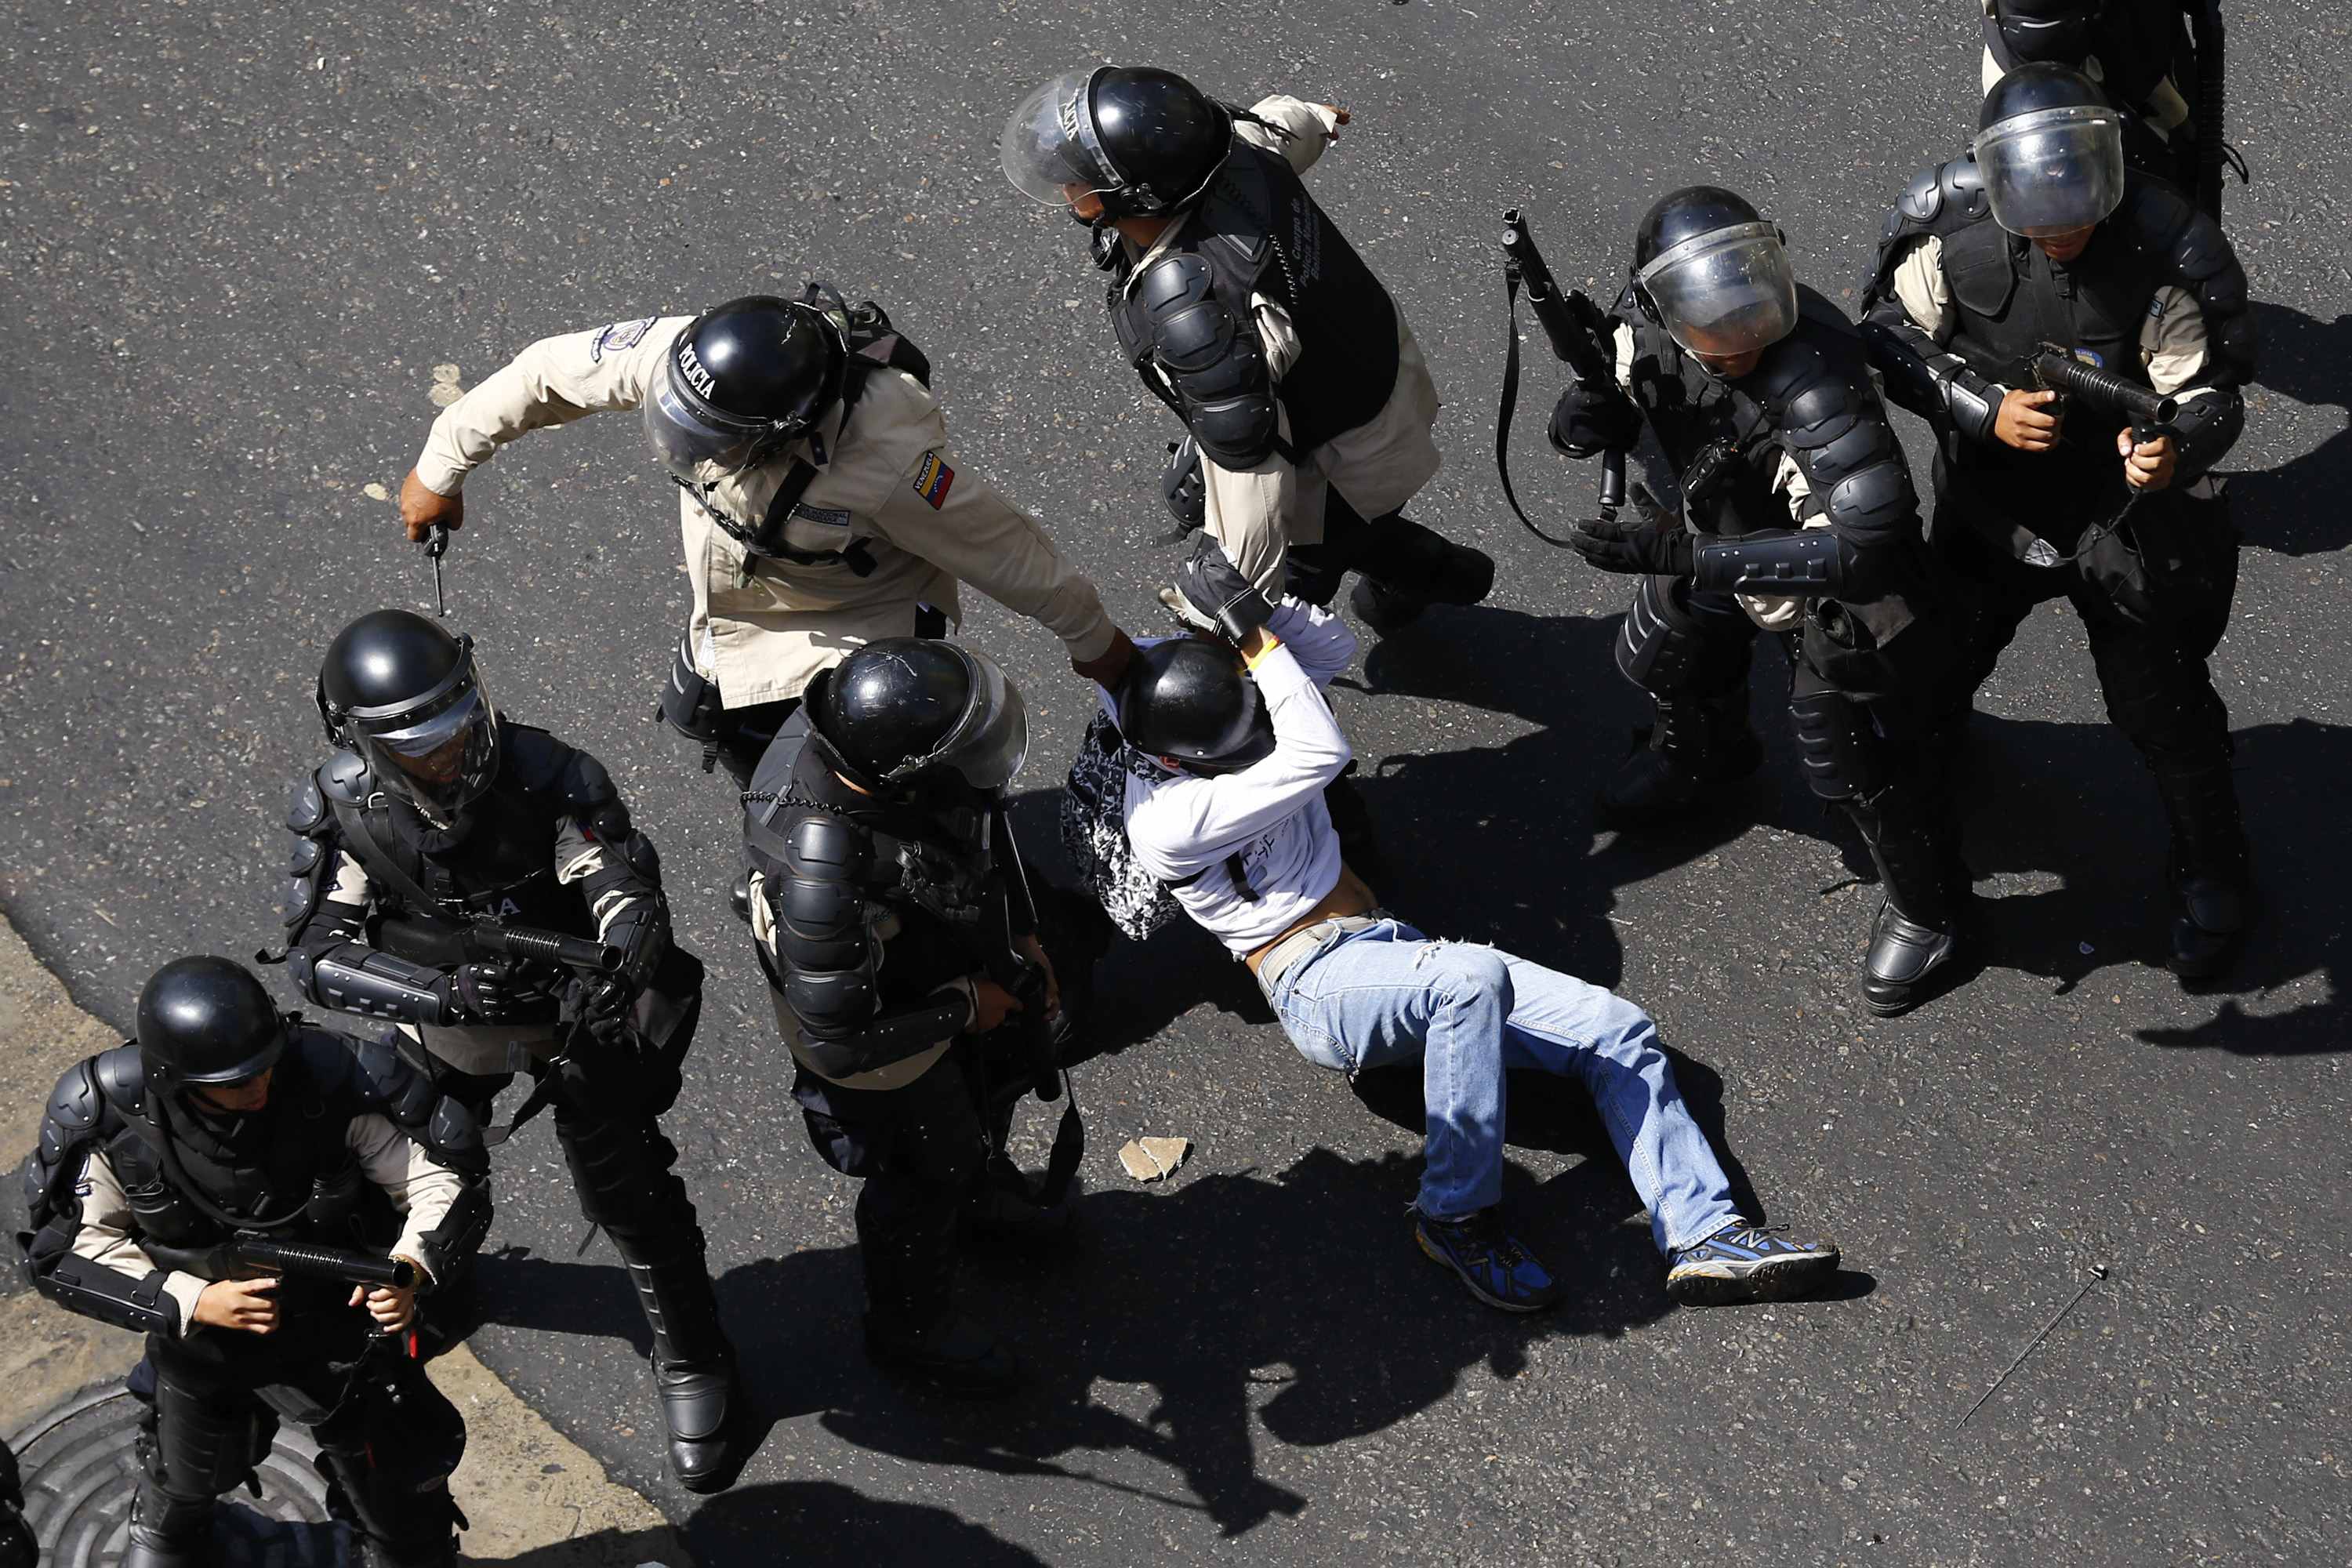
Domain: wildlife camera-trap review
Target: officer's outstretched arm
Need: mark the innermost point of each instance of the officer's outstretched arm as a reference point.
(1312, 127)
(553, 381)
(955, 520)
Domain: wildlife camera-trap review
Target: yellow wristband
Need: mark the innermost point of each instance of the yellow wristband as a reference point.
(1268, 643)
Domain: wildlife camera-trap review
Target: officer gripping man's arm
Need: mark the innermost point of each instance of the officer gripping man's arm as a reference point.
(1243, 307)
(227, 1120)
(437, 816)
(820, 505)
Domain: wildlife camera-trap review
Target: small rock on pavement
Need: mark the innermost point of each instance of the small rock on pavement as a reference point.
(374, 492)
(1151, 1159)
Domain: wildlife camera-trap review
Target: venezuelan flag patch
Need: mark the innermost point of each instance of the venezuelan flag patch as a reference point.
(932, 479)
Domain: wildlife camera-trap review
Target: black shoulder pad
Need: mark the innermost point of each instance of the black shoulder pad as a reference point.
(345, 778)
(307, 812)
(71, 1119)
(823, 846)
(593, 800)
(536, 760)
(1808, 402)
(121, 1078)
(386, 1085)
(1938, 201)
(1214, 361)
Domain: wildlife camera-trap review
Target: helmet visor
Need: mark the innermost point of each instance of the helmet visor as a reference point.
(696, 442)
(439, 756)
(2054, 171)
(990, 740)
(1048, 148)
(1726, 292)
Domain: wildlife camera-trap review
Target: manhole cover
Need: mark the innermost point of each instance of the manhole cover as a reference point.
(80, 1468)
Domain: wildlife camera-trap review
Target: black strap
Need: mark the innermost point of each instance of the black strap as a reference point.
(360, 839)
(1510, 404)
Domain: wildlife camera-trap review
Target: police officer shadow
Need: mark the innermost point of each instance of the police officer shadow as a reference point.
(2299, 508)
(1165, 1338)
(2073, 801)
(827, 1524)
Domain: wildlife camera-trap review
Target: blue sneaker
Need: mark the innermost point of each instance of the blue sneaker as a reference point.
(1743, 1262)
(1496, 1268)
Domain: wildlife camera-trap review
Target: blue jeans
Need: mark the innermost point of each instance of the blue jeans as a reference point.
(1388, 993)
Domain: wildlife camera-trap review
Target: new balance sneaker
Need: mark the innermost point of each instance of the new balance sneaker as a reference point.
(1496, 1268)
(1743, 1262)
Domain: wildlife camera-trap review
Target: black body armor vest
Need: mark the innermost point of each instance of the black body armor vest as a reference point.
(1258, 231)
(497, 863)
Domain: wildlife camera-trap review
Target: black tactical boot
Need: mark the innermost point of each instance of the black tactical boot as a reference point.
(2213, 899)
(1409, 567)
(1698, 743)
(946, 1350)
(1914, 931)
(694, 1367)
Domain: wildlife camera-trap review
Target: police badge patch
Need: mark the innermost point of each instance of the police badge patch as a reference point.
(620, 337)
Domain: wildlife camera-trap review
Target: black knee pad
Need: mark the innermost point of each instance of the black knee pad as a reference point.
(2163, 700)
(621, 1173)
(1666, 650)
(200, 1444)
(1841, 750)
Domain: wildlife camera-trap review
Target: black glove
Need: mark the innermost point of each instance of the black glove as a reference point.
(1657, 542)
(494, 991)
(1588, 420)
(1217, 588)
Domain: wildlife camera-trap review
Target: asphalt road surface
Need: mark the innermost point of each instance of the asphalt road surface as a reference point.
(237, 241)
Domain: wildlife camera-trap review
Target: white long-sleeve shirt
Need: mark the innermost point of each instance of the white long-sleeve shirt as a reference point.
(1186, 829)
(418, 1186)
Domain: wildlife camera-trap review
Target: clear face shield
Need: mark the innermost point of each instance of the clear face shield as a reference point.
(1048, 149)
(697, 443)
(438, 755)
(991, 738)
(1725, 294)
(2054, 170)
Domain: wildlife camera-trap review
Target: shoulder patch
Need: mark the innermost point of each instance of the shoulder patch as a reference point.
(932, 478)
(620, 337)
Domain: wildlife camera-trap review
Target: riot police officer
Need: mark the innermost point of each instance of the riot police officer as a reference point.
(226, 1120)
(437, 820)
(2043, 237)
(2166, 86)
(1805, 524)
(892, 919)
(818, 502)
(1246, 309)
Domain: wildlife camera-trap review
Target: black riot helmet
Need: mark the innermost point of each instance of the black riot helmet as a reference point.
(1189, 698)
(905, 714)
(1143, 141)
(400, 690)
(2051, 151)
(1709, 270)
(207, 1020)
(2051, 32)
(740, 381)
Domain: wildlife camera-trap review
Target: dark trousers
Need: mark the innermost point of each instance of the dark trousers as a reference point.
(1392, 550)
(921, 1152)
(212, 1417)
(2158, 685)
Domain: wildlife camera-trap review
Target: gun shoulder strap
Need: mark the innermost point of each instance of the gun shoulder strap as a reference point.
(1510, 405)
(382, 866)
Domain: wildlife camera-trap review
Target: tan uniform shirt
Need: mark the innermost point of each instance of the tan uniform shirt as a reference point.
(1257, 513)
(763, 627)
(418, 1187)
